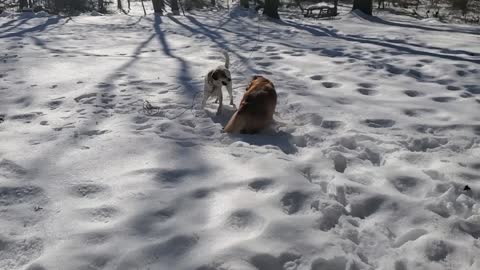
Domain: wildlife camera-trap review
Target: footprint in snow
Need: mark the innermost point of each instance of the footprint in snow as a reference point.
(332, 124)
(379, 123)
(201, 193)
(26, 117)
(86, 98)
(102, 214)
(333, 263)
(418, 112)
(18, 252)
(443, 99)
(466, 95)
(317, 77)
(461, 73)
(331, 84)
(367, 85)
(244, 220)
(275, 57)
(260, 184)
(292, 202)
(405, 184)
(14, 195)
(343, 101)
(54, 104)
(156, 253)
(265, 261)
(88, 190)
(453, 88)
(367, 92)
(473, 88)
(413, 93)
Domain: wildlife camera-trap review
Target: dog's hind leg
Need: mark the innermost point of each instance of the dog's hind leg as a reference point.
(220, 104)
(204, 101)
(206, 94)
(230, 90)
(235, 124)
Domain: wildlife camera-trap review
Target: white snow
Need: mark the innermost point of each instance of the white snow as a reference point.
(376, 138)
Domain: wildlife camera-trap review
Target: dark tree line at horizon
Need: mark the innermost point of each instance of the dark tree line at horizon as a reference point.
(270, 7)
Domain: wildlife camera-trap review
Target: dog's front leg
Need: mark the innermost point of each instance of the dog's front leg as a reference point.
(206, 94)
(230, 90)
(220, 103)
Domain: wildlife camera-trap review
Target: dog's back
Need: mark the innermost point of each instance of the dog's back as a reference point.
(256, 108)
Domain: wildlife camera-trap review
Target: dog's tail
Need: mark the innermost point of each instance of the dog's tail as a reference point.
(227, 58)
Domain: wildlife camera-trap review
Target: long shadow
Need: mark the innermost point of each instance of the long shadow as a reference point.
(211, 29)
(38, 28)
(5, 24)
(445, 50)
(40, 43)
(205, 28)
(218, 39)
(95, 119)
(20, 22)
(420, 27)
(320, 31)
(184, 77)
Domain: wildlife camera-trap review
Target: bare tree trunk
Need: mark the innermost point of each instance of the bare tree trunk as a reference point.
(174, 6)
(158, 6)
(181, 7)
(23, 4)
(271, 9)
(364, 6)
(59, 5)
(299, 4)
(144, 11)
(101, 6)
(128, 1)
(119, 4)
(244, 3)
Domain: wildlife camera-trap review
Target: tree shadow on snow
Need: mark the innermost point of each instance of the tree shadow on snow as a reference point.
(322, 31)
(212, 33)
(38, 28)
(184, 77)
(375, 19)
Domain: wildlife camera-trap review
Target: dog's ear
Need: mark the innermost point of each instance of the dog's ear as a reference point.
(215, 74)
(249, 85)
(254, 77)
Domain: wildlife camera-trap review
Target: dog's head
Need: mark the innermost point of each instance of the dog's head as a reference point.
(258, 79)
(221, 76)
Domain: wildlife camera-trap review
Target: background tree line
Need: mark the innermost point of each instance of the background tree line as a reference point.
(268, 7)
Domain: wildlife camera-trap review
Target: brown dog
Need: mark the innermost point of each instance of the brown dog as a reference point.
(256, 108)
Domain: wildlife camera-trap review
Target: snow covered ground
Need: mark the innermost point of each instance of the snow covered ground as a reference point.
(367, 167)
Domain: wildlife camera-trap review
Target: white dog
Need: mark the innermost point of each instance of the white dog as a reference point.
(215, 79)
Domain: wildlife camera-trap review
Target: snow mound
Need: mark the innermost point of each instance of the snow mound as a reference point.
(96, 13)
(7, 14)
(42, 13)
